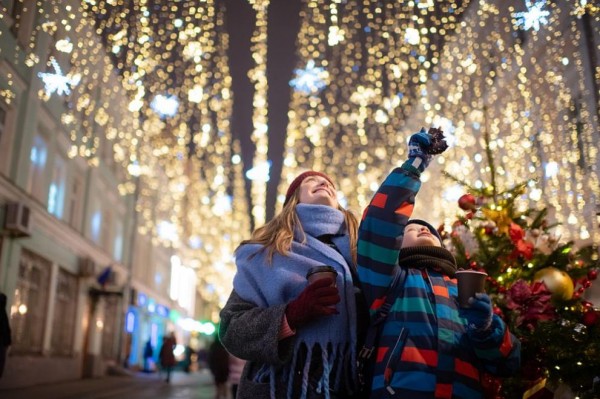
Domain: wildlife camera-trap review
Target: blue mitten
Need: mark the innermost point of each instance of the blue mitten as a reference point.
(417, 145)
(479, 313)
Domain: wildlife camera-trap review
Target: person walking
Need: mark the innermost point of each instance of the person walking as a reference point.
(218, 364)
(430, 347)
(5, 333)
(148, 353)
(299, 339)
(166, 355)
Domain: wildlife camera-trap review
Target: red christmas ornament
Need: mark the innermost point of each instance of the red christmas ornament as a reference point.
(586, 283)
(491, 386)
(590, 318)
(498, 311)
(587, 304)
(467, 202)
(593, 274)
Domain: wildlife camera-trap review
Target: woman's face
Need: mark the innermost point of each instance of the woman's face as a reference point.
(317, 190)
(417, 234)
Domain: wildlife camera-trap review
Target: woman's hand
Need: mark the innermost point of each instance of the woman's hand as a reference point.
(316, 300)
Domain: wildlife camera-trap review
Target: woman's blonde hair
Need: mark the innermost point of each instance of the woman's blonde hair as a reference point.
(277, 235)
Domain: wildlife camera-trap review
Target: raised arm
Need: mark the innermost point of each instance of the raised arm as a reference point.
(384, 219)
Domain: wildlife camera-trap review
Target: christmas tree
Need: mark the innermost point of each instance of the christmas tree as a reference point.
(537, 284)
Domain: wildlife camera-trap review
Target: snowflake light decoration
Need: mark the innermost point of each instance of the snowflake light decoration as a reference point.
(310, 80)
(57, 82)
(533, 17)
(165, 106)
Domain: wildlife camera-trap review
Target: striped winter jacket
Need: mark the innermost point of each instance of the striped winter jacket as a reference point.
(424, 350)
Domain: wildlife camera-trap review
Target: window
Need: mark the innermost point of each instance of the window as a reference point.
(23, 15)
(95, 226)
(118, 242)
(73, 211)
(63, 325)
(38, 157)
(5, 150)
(56, 193)
(105, 235)
(30, 306)
(2, 120)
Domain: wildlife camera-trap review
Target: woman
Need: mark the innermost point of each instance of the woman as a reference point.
(299, 339)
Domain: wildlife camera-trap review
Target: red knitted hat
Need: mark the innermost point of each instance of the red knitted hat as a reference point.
(298, 180)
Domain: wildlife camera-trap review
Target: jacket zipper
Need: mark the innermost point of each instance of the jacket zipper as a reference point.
(431, 294)
(387, 374)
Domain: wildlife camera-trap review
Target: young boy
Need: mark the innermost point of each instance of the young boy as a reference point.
(429, 347)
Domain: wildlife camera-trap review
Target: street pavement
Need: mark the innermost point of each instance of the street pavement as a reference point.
(195, 385)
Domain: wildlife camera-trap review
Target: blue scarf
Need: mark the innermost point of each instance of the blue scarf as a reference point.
(282, 281)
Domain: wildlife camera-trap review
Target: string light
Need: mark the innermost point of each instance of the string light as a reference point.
(259, 136)
(391, 67)
(125, 54)
(401, 67)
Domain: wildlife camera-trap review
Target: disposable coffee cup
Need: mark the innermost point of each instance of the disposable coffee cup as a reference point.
(319, 272)
(469, 283)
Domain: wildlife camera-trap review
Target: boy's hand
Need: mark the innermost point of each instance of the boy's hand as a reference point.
(423, 145)
(438, 141)
(417, 145)
(479, 313)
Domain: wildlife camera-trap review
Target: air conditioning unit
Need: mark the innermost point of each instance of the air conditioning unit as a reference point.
(17, 220)
(87, 267)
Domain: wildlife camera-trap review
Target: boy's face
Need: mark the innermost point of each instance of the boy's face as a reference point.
(318, 191)
(418, 235)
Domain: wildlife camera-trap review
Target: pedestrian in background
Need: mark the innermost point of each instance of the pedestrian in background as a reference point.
(5, 334)
(236, 367)
(148, 353)
(166, 355)
(218, 364)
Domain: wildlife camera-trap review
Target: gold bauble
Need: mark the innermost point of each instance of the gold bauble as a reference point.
(559, 282)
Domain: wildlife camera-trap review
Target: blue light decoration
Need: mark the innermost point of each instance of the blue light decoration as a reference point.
(165, 106)
(310, 80)
(533, 17)
(162, 310)
(151, 306)
(142, 299)
(130, 322)
(57, 81)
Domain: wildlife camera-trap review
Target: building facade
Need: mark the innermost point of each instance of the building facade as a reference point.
(85, 289)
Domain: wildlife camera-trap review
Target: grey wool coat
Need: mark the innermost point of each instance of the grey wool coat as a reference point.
(251, 332)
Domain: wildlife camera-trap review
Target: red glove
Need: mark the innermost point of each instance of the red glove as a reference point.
(316, 300)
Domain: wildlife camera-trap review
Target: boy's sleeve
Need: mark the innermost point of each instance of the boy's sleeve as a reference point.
(498, 349)
(380, 232)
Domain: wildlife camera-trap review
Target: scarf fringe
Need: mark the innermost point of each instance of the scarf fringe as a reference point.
(333, 362)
